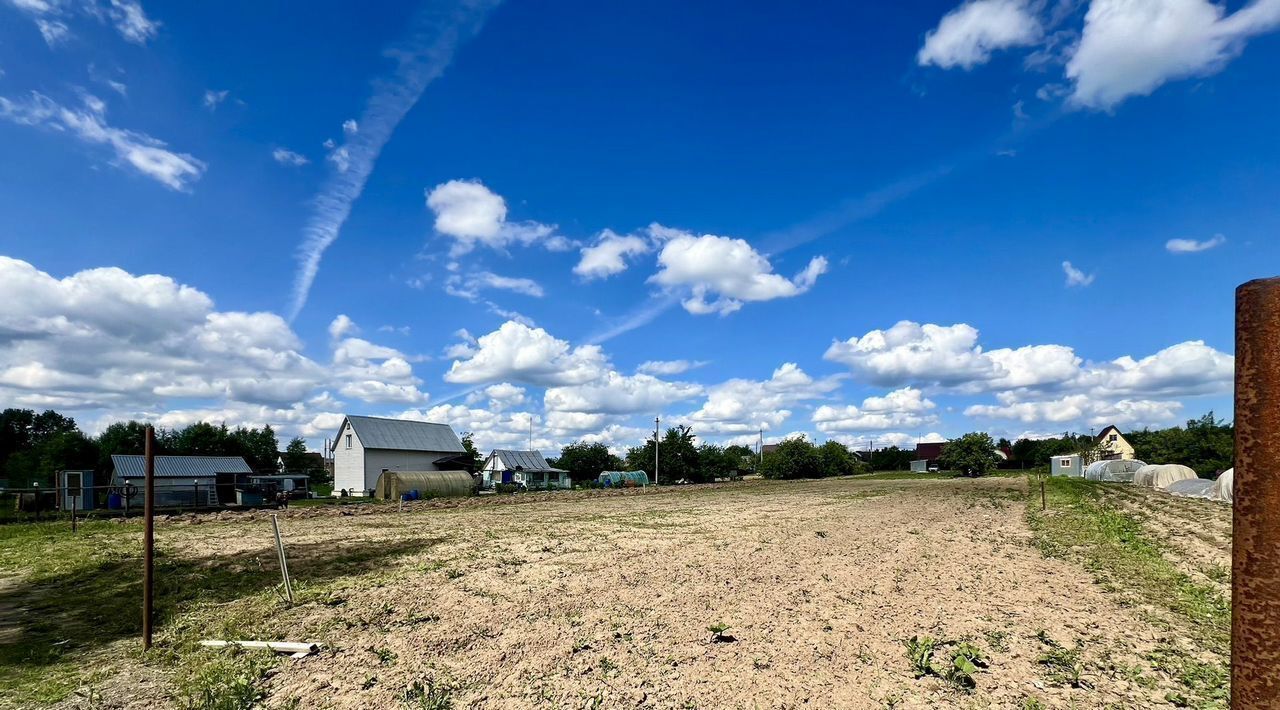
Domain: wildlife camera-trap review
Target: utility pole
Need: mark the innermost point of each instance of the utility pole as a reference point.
(657, 428)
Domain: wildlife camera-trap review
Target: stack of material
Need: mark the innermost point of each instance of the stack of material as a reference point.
(1160, 476)
(1113, 470)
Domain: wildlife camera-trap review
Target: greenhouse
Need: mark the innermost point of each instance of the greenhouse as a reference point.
(1113, 470)
(623, 479)
(1160, 476)
(411, 485)
(1192, 488)
(1224, 489)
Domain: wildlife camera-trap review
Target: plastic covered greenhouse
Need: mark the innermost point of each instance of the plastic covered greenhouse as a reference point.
(624, 479)
(1192, 488)
(1113, 470)
(426, 484)
(1160, 476)
(1224, 489)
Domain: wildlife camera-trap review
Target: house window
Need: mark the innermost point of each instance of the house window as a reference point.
(348, 441)
(1066, 463)
(1114, 437)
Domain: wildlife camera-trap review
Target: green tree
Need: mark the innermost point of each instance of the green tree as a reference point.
(295, 456)
(836, 460)
(121, 438)
(972, 454)
(259, 447)
(892, 458)
(718, 462)
(793, 458)
(585, 461)
(474, 459)
(746, 456)
(678, 457)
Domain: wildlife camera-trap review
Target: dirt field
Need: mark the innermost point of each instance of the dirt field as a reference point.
(606, 601)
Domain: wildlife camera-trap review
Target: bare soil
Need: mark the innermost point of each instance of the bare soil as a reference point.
(568, 600)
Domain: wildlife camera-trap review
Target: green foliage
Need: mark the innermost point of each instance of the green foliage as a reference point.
(228, 682)
(920, 654)
(677, 457)
(717, 632)
(891, 458)
(972, 454)
(476, 460)
(121, 438)
(428, 695)
(585, 461)
(33, 446)
(836, 460)
(959, 664)
(793, 458)
(1206, 444)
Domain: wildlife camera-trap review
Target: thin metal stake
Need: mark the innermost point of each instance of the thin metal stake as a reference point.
(1255, 553)
(73, 513)
(148, 535)
(284, 564)
(1043, 505)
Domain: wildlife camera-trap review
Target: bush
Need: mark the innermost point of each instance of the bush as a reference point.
(794, 458)
(971, 455)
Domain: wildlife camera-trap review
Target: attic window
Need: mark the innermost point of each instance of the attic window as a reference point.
(1114, 437)
(348, 441)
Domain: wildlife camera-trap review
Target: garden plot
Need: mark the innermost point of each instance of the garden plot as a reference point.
(762, 594)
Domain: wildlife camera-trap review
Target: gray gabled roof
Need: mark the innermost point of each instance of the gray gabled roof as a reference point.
(403, 435)
(524, 460)
(134, 466)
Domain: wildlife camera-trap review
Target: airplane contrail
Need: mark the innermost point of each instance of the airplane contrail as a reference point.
(421, 60)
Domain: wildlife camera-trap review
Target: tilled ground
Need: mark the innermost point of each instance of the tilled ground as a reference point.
(605, 601)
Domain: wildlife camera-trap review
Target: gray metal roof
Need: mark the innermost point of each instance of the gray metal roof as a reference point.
(525, 460)
(134, 466)
(403, 435)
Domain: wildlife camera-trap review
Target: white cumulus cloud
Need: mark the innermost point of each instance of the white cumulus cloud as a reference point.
(1076, 277)
(471, 214)
(728, 270)
(967, 36)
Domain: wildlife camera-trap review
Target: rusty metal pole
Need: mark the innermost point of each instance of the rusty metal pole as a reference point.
(1044, 505)
(148, 534)
(1255, 557)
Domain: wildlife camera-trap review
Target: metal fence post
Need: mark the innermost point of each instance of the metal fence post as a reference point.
(284, 564)
(1255, 557)
(148, 534)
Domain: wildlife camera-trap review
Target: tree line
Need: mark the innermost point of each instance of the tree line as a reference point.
(35, 445)
(1207, 445)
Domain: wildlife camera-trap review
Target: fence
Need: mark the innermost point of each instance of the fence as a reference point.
(20, 505)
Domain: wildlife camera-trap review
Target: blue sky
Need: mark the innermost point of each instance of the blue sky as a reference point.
(587, 214)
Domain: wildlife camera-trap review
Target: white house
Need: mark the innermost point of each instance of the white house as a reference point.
(366, 447)
(526, 468)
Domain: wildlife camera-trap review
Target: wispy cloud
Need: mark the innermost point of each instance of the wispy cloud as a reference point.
(212, 99)
(1076, 277)
(139, 151)
(284, 156)
(420, 61)
(1191, 246)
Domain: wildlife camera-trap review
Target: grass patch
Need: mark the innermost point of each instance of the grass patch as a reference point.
(81, 595)
(1082, 526)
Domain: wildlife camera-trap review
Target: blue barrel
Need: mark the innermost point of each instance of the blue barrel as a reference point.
(115, 501)
(415, 495)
